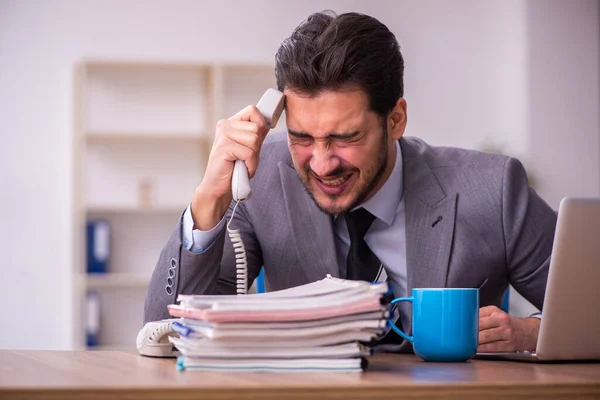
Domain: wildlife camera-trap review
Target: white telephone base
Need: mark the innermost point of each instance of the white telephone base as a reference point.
(153, 339)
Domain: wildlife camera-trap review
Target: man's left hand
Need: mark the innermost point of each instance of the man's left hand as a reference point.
(500, 332)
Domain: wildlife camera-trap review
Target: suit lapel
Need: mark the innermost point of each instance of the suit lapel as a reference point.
(430, 218)
(313, 230)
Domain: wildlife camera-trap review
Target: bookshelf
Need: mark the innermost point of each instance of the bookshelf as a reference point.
(142, 136)
(105, 138)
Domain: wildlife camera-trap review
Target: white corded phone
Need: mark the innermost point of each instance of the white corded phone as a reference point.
(153, 339)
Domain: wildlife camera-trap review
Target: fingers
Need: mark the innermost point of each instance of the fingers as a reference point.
(496, 339)
(489, 310)
(231, 150)
(496, 331)
(493, 335)
(237, 132)
(492, 332)
(251, 114)
(499, 331)
(489, 323)
(239, 140)
(495, 347)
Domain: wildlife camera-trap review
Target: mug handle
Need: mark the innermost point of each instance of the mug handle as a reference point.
(391, 323)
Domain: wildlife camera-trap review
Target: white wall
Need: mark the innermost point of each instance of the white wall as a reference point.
(465, 70)
(468, 77)
(564, 90)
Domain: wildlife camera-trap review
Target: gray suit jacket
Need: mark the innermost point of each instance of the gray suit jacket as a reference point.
(494, 229)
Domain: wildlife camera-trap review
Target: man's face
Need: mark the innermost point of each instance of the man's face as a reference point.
(340, 148)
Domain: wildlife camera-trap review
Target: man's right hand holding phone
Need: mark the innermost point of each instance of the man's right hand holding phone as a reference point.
(237, 138)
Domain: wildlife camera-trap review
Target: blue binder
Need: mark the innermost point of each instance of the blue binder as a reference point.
(98, 245)
(92, 326)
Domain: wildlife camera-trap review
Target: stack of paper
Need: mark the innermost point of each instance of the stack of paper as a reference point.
(318, 326)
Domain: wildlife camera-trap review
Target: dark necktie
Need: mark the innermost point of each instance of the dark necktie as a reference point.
(362, 263)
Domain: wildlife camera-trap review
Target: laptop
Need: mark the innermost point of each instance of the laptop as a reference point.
(570, 327)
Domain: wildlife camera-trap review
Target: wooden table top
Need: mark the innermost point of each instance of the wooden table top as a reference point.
(101, 374)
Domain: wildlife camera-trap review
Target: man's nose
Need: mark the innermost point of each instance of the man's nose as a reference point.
(323, 161)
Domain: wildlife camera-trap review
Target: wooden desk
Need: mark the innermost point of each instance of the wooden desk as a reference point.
(121, 375)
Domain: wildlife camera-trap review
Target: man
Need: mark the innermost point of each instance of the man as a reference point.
(434, 217)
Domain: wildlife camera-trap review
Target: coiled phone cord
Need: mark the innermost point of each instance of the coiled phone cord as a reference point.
(241, 264)
(160, 332)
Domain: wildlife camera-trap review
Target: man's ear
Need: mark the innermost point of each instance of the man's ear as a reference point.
(397, 119)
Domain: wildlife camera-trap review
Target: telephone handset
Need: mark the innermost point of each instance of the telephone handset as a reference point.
(153, 338)
(270, 106)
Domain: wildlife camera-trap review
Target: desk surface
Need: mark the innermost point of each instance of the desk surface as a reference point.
(98, 374)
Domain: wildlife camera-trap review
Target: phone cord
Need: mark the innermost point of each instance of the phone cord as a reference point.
(158, 333)
(241, 264)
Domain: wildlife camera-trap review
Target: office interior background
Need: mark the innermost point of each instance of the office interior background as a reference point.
(106, 108)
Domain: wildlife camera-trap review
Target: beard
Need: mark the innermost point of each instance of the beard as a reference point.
(367, 182)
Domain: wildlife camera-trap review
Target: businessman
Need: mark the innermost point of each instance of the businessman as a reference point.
(343, 192)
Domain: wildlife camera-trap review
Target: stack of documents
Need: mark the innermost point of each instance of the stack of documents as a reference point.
(322, 326)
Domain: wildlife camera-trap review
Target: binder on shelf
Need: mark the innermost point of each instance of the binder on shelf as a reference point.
(92, 315)
(98, 245)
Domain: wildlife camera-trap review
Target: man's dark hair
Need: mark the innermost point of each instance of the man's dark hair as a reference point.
(331, 52)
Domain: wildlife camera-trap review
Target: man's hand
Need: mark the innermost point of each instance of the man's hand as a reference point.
(237, 138)
(500, 332)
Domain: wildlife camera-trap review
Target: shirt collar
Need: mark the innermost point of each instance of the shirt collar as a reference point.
(385, 202)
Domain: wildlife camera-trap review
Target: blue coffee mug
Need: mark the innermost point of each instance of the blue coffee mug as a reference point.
(445, 323)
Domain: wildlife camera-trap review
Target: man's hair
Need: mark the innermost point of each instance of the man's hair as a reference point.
(331, 52)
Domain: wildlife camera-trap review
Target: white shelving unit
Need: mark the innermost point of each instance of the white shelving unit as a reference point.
(104, 138)
(143, 132)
